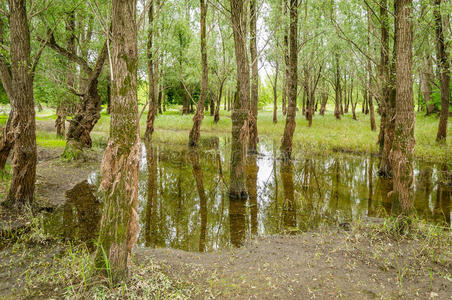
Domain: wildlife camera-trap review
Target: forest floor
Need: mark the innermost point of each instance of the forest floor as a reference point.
(368, 261)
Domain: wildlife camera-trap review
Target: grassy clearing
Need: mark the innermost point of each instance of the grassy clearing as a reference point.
(326, 135)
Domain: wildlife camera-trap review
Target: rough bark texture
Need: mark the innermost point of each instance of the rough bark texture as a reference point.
(19, 83)
(119, 224)
(197, 118)
(217, 108)
(152, 75)
(373, 125)
(285, 85)
(60, 121)
(253, 134)
(337, 90)
(444, 72)
(275, 95)
(287, 139)
(388, 93)
(6, 141)
(402, 155)
(426, 80)
(239, 115)
(324, 96)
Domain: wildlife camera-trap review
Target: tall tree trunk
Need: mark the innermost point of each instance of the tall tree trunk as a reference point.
(217, 108)
(275, 95)
(152, 74)
(402, 155)
(252, 120)
(444, 73)
(387, 74)
(286, 79)
(7, 139)
(287, 139)
(237, 188)
(197, 118)
(426, 80)
(20, 82)
(119, 186)
(337, 89)
(324, 96)
(384, 37)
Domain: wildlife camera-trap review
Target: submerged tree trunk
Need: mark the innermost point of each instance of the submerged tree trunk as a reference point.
(119, 224)
(20, 84)
(237, 188)
(402, 155)
(197, 118)
(252, 120)
(287, 139)
(444, 72)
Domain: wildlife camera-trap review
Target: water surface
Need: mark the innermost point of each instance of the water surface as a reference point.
(183, 200)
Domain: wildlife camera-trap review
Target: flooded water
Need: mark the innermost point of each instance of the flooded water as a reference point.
(183, 200)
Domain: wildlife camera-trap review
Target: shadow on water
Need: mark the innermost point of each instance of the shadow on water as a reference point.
(184, 203)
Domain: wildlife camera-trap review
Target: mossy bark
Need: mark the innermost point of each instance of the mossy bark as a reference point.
(119, 187)
(444, 73)
(252, 120)
(289, 129)
(23, 126)
(239, 115)
(198, 117)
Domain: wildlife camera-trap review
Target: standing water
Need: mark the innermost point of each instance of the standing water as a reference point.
(183, 200)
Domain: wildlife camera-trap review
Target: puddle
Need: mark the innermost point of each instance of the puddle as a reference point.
(183, 201)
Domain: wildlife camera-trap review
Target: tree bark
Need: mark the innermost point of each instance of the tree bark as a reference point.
(444, 73)
(286, 60)
(252, 120)
(402, 155)
(217, 108)
(287, 139)
(152, 64)
(388, 77)
(119, 186)
(197, 118)
(239, 116)
(275, 95)
(20, 82)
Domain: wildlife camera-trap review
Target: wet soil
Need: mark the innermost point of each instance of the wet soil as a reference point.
(324, 264)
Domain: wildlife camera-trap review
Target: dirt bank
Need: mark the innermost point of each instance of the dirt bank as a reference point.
(364, 263)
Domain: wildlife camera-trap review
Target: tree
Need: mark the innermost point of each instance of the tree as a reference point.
(119, 186)
(197, 118)
(287, 139)
(19, 86)
(253, 135)
(402, 156)
(239, 115)
(444, 72)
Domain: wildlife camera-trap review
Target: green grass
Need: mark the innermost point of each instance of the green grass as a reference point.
(325, 136)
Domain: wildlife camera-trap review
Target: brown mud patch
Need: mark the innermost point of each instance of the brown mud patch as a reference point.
(326, 264)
